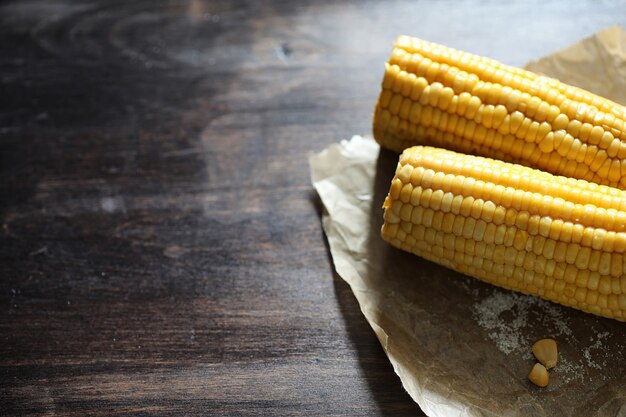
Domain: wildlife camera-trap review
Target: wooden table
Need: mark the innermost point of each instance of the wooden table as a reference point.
(161, 245)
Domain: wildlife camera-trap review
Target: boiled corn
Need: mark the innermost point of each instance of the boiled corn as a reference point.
(433, 95)
(516, 227)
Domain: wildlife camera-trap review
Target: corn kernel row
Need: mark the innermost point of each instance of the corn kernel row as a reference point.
(546, 88)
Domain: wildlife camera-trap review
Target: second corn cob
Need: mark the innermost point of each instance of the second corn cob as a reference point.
(520, 228)
(433, 95)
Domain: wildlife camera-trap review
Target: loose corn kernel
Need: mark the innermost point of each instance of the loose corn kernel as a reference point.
(539, 375)
(546, 352)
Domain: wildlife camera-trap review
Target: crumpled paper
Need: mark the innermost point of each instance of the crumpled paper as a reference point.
(597, 64)
(462, 347)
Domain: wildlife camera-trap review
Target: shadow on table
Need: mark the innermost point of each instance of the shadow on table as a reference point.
(384, 384)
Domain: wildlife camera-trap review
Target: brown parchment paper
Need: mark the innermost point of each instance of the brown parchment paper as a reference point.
(462, 347)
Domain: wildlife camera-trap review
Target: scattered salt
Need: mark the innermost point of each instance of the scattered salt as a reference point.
(569, 371)
(506, 315)
(598, 349)
(511, 320)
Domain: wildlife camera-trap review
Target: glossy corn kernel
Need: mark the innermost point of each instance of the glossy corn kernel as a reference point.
(539, 375)
(433, 95)
(546, 352)
(516, 227)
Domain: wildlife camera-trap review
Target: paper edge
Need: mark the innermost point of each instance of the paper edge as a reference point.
(428, 400)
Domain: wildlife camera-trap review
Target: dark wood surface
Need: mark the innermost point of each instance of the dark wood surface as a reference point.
(160, 242)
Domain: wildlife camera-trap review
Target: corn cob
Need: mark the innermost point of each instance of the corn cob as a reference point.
(433, 95)
(520, 228)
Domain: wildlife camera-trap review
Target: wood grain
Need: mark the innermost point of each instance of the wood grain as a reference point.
(160, 242)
